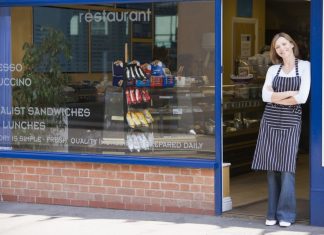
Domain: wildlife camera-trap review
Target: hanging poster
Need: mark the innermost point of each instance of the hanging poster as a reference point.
(245, 45)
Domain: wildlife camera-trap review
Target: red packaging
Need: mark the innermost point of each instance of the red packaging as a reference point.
(128, 97)
(156, 81)
(132, 96)
(138, 95)
(146, 95)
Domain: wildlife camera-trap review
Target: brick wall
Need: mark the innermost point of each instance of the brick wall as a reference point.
(130, 187)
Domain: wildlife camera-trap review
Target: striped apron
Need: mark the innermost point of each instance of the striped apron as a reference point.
(280, 128)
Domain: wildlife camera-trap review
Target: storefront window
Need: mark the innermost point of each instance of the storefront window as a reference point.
(125, 79)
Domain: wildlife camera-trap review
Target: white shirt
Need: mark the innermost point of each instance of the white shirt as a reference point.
(305, 73)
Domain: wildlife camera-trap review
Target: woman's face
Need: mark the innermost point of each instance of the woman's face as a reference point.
(283, 47)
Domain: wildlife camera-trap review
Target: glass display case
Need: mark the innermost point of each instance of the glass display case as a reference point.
(177, 120)
(242, 112)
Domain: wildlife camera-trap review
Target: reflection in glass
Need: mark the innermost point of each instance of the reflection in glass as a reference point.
(109, 86)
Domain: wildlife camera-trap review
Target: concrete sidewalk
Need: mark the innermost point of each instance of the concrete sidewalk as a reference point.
(33, 219)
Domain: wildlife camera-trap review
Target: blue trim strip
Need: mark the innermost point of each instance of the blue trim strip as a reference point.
(5, 58)
(316, 169)
(218, 109)
(7, 3)
(152, 161)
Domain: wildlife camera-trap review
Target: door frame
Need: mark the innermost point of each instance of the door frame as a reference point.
(316, 137)
(316, 117)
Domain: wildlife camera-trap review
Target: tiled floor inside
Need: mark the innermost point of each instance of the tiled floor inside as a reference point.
(251, 189)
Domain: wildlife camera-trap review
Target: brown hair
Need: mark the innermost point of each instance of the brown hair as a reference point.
(275, 58)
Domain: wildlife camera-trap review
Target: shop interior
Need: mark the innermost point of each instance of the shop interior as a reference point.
(246, 61)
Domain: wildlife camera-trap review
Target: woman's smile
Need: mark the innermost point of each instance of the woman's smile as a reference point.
(283, 47)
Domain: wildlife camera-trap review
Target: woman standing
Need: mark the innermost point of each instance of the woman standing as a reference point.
(286, 86)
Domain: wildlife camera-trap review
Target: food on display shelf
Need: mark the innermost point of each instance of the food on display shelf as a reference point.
(128, 98)
(142, 118)
(157, 68)
(135, 119)
(145, 94)
(138, 96)
(132, 96)
(130, 120)
(142, 73)
(146, 75)
(130, 143)
(139, 119)
(146, 68)
(136, 143)
(144, 143)
(148, 116)
(139, 141)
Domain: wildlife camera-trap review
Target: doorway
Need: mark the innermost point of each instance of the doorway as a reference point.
(243, 106)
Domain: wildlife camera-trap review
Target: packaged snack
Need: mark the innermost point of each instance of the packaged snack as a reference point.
(130, 120)
(132, 95)
(142, 119)
(157, 68)
(143, 83)
(146, 69)
(128, 98)
(135, 119)
(150, 138)
(145, 94)
(148, 116)
(143, 141)
(140, 141)
(138, 95)
(136, 72)
(130, 143)
(141, 72)
(168, 81)
(136, 143)
(132, 72)
(156, 81)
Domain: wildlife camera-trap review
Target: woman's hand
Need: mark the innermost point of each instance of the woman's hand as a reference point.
(292, 93)
(289, 101)
(279, 96)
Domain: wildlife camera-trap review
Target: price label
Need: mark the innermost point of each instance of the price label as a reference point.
(177, 111)
(166, 97)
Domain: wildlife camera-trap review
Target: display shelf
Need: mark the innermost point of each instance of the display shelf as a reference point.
(117, 118)
(242, 112)
(241, 132)
(168, 115)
